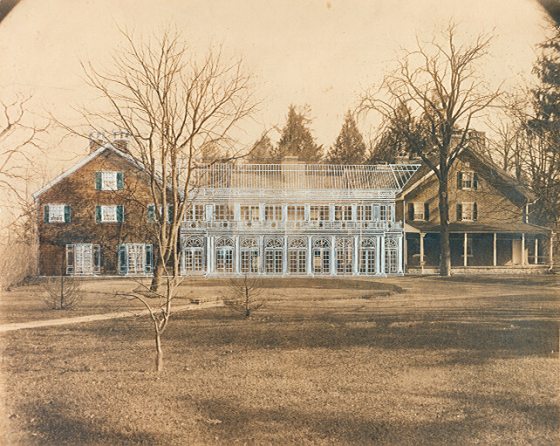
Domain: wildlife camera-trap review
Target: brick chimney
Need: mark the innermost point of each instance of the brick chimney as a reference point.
(120, 140)
(96, 140)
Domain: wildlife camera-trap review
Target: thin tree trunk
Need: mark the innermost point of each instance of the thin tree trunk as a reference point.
(156, 279)
(159, 352)
(445, 252)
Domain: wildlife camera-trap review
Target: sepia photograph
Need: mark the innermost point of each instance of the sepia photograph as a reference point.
(279, 222)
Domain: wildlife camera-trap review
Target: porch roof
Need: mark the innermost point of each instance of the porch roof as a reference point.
(476, 227)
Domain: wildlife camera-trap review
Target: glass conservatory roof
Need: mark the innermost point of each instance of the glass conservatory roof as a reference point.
(389, 177)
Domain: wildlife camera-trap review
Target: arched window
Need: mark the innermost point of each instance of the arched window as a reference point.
(321, 256)
(391, 255)
(193, 255)
(344, 255)
(273, 255)
(297, 255)
(250, 258)
(367, 256)
(225, 249)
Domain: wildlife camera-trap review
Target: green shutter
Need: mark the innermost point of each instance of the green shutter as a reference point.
(459, 212)
(67, 213)
(475, 212)
(169, 213)
(149, 259)
(151, 213)
(97, 180)
(46, 213)
(459, 180)
(120, 180)
(123, 264)
(120, 213)
(427, 211)
(97, 214)
(410, 211)
(475, 181)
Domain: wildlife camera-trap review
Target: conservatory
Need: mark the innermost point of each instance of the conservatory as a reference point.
(294, 219)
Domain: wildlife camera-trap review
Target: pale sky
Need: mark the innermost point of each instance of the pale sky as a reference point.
(315, 52)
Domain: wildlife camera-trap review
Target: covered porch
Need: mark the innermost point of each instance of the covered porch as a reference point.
(480, 248)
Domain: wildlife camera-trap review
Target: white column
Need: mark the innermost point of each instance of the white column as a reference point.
(356, 256)
(523, 249)
(261, 254)
(237, 255)
(285, 256)
(536, 250)
(333, 256)
(495, 250)
(400, 255)
(210, 254)
(465, 250)
(310, 255)
(422, 252)
(380, 254)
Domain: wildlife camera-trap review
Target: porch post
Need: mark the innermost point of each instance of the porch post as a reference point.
(422, 252)
(465, 251)
(495, 250)
(400, 256)
(536, 250)
(523, 249)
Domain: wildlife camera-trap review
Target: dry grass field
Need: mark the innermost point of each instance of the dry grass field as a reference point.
(397, 361)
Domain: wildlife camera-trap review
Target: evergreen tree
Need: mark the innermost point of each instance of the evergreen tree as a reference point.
(543, 151)
(262, 151)
(349, 147)
(296, 139)
(391, 141)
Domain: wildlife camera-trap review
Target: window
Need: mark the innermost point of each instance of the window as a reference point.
(386, 212)
(109, 180)
(197, 212)
(249, 213)
(321, 256)
(418, 211)
(296, 213)
(319, 213)
(273, 213)
(57, 213)
(223, 212)
(467, 212)
(367, 256)
(83, 259)
(250, 258)
(343, 213)
(273, 255)
(193, 255)
(344, 255)
(109, 214)
(365, 212)
(297, 255)
(391, 255)
(152, 218)
(224, 255)
(135, 258)
(467, 180)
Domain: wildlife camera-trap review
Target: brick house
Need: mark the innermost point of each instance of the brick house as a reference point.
(93, 218)
(489, 225)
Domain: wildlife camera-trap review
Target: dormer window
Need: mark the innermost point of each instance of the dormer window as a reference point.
(109, 180)
(467, 180)
(418, 211)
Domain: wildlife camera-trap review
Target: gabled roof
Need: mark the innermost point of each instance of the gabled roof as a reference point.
(82, 163)
(501, 179)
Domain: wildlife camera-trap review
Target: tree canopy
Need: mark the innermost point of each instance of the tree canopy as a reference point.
(296, 138)
(349, 147)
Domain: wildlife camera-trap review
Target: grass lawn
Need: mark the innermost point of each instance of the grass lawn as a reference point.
(402, 361)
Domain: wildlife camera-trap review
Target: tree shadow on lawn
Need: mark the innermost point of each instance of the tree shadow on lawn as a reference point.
(297, 425)
(55, 423)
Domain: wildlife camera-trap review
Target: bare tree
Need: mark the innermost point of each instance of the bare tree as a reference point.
(172, 106)
(245, 295)
(62, 293)
(437, 83)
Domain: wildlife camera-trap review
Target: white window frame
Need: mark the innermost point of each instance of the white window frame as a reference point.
(467, 211)
(249, 212)
(223, 212)
(109, 180)
(319, 212)
(419, 214)
(273, 212)
(467, 179)
(364, 212)
(343, 212)
(295, 212)
(105, 213)
(56, 213)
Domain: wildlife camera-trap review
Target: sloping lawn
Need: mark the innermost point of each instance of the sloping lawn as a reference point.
(436, 362)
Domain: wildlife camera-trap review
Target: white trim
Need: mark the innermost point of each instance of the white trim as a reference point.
(82, 163)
